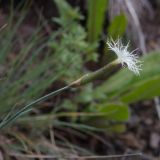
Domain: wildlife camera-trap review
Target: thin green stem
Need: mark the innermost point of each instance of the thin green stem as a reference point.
(98, 74)
(27, 108)
(90, 77)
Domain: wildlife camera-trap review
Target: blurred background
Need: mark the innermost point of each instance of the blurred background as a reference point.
(45, 45)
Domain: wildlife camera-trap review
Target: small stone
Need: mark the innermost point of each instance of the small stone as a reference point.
(155, 140)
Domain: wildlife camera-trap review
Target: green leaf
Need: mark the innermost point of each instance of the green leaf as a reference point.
(146, 89)
(65, 10)
(96, 16)
(112, 116)
(118, 26)
(125, 84)
(86, 95)
(114, 112)
(118, 128)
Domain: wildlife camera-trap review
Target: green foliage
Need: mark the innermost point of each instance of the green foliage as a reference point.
(124, 88)
(22, 79)
(67, 13)
(96, 18)
(118, 26)
(63, 60)
(70, 45)
(139, 90)
(29, 66)
(116, 29)
(116, 112)
(41, 61)
(111, 118)
(129, 88)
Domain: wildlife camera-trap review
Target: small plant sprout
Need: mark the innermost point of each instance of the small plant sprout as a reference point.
(124, 56)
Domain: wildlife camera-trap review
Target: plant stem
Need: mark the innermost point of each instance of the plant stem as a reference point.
(90, 77)
(87, 78)
(27, 108)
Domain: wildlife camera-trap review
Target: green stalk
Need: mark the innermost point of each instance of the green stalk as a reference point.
(28, 107)
(87, 78)
(101, 73)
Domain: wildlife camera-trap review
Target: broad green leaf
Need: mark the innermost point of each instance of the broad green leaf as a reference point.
(124, 81)
(96, 16)
(114, 112)
(143, 90)
(112, 116)
(118, 26)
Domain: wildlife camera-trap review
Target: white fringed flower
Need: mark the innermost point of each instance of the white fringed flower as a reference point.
(124, 56)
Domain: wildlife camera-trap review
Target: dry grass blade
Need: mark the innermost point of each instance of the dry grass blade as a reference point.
(135, 156)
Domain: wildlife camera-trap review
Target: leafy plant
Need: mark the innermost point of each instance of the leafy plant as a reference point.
(69, 42)
(110, 101)
(96, 17)
(125, 88)
(117, 26)
(33, 64)
(120, 90)
(42, 60)
(124, 83)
